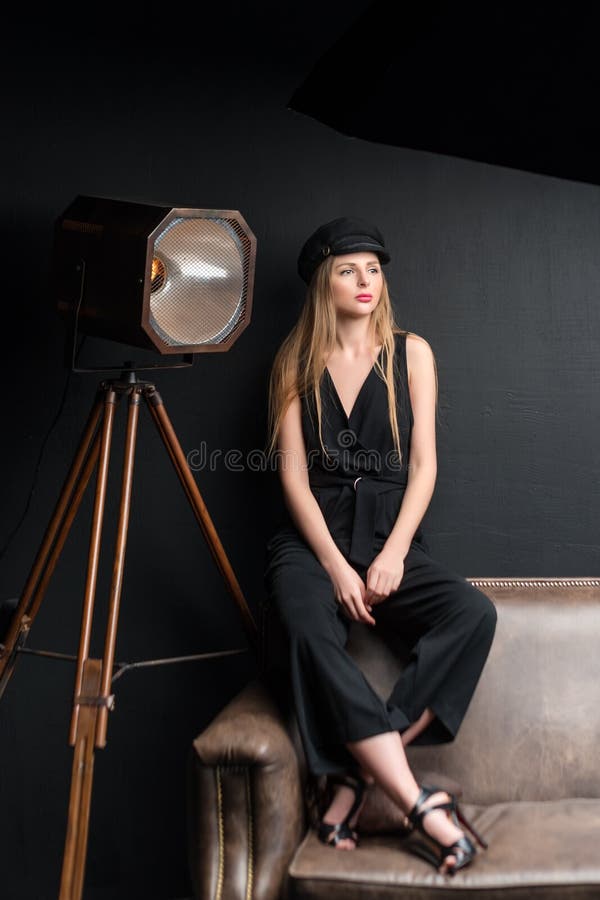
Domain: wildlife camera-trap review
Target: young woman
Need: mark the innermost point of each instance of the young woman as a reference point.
(352, 408)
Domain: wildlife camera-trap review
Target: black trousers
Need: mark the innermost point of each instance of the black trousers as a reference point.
(446, 623)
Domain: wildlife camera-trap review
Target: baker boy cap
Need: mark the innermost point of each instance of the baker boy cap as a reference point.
(336, 238)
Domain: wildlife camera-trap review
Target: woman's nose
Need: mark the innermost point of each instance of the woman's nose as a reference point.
(363, 278)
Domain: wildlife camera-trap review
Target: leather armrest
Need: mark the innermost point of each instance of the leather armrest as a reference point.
(246, 810)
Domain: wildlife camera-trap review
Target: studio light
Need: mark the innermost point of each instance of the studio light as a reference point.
(166, 279)
(171, 280)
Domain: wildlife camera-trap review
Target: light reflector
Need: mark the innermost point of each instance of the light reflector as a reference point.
(175, 280)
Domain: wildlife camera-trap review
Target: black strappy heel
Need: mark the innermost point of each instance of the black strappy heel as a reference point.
(459, 818)
(462, 849)
(333, 834)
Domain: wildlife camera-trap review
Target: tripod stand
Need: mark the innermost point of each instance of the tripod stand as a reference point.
(93, 677)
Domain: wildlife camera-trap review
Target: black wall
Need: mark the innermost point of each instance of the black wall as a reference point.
(497, 268)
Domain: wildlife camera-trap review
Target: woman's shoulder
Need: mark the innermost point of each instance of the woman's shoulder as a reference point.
(412, 338)
(418, 350)
(415, 343)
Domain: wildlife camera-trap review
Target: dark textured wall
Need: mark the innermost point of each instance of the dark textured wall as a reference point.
(497, 268)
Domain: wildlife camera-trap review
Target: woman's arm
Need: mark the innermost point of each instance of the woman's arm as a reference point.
(422, 469)
(349, 589)
(385, 573)
(299, 499)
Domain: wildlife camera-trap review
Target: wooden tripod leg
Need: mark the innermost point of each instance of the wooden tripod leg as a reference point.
(65, 527)
(25, 622)
(190, 487)
(118, 566)
(73, 870)
(110, 402)
(46, 558)
(92, 682)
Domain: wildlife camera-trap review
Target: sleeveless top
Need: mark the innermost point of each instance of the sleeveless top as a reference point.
(359, 484)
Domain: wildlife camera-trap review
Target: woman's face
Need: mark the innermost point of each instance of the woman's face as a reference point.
(356, 283)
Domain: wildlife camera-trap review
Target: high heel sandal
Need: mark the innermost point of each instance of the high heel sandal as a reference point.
(462, 849)
(332, 834)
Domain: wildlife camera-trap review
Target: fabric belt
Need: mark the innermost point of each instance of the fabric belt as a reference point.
(368, 490)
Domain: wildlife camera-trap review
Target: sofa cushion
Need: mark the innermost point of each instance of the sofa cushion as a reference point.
(537, 849)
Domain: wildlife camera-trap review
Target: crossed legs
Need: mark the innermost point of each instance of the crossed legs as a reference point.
(382, 759)
(342, 800)
(450, 625)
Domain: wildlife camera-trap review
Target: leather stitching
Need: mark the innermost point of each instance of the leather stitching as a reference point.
(221, 830)
(250, 875)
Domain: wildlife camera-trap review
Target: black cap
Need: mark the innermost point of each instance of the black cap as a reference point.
(336, 238)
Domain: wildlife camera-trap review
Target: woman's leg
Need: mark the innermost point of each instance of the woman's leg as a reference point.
(449, 625)
(333, 701)
(417, 727)
(383, 758)
(326, 682)
(344, 796)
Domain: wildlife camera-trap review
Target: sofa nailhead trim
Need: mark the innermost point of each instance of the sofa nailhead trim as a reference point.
(535, 582)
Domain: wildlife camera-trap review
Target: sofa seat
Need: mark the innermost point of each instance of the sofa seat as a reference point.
(548, 848)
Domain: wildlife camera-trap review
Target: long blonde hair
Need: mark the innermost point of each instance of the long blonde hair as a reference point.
(299, 363)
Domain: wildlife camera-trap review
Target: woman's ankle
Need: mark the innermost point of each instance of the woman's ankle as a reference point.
(419, 725)
(341, 804)
(438, 823)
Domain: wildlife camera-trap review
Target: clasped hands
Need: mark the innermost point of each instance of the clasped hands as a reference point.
(357, 598)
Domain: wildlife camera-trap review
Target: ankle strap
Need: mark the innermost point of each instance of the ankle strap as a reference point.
(417, 813)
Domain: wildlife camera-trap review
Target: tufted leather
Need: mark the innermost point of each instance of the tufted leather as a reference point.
(245, 804)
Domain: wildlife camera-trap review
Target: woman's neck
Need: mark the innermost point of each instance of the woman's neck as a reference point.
(353, 338)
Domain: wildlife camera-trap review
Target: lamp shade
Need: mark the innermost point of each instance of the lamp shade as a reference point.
(173, 280)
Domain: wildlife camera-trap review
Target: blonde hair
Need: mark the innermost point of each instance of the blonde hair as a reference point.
(299, 363)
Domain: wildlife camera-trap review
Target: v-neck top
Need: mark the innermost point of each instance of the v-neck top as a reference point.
(334, 391)
(359, 485)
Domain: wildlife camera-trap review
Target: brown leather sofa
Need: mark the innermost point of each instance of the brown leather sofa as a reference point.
(526, 759)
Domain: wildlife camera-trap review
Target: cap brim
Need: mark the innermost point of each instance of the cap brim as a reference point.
(362, 247)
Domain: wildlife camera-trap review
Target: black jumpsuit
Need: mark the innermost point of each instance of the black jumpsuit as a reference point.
(446, 622)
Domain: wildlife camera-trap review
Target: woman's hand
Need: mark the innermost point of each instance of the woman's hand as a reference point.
(350, 592)
(383, 577)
